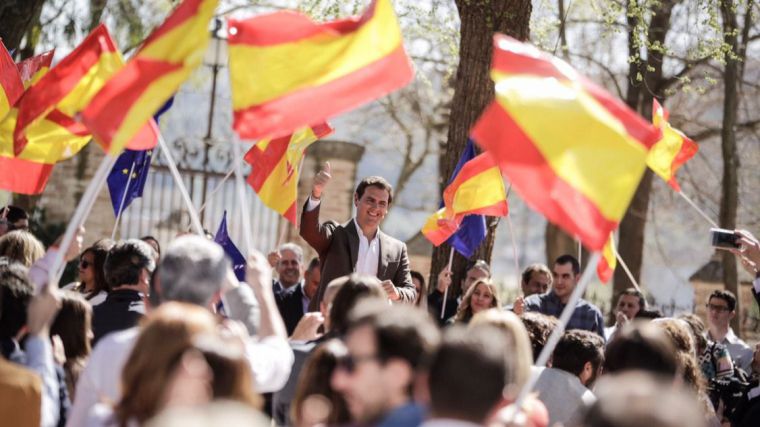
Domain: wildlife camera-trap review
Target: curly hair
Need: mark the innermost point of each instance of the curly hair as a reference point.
(464, 312)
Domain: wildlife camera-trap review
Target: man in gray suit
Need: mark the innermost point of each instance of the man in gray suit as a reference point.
(358, 245)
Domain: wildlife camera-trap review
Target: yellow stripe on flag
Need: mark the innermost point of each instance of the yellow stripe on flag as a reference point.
(483, 189)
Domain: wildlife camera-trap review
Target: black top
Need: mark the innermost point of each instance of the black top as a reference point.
(121, 310)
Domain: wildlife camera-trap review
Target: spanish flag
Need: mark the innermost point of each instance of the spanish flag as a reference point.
(32, 69)
(11, 87)
(478, 189)
(288, 72)
(275, 167)
(607, 263)
(119, 113)
(670, 152)
(571, 150)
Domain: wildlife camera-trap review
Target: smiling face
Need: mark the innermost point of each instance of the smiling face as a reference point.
(564, 281)
(371, 207)
(289, 268)
(482, 298)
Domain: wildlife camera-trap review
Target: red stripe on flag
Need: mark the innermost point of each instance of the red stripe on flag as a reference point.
(10, 81)
(187, 10)
(28, 67)
(300, 108)
(533, 177)
(264, 162)
(66, 122)
(22, 176)
(290, 214)
(603, 270)
(688, 149)
(498, 209)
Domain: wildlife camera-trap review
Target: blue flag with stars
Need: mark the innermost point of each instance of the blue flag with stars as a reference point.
(472, 231)
(222, 237)
(123, 189)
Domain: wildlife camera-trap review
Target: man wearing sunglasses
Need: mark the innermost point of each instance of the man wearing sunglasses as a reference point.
(721, 308)
(388, 347)
(13, 218)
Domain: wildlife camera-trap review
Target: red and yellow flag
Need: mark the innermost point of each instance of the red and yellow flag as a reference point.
(11, 87)
(275, 167)
(122, 108)
(478, 189)
(607, 263)
(287, 71)
(571, 150)
(670, 152)
(32, 69)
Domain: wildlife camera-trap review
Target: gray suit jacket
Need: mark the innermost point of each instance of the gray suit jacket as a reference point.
(338, 249)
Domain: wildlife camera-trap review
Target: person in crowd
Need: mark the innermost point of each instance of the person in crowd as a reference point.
(73, 325)
(20, 311)
(714, 359)
(288, 262)
(629, 303)
(196, 270)
(13, 218)
(418, 280)
(565, 387)
(92, 277)
(747, 412)
(388, 347)
(641, 346)
(749, 255)
(634, 399)
(358, 245)
(21, 246)
(153, 242)
(293, 302)
(481, 296)
(315, 402)
(341, 296)
(469, 396)
(721, 308)
(128, 268)
(476, 271)
(566, 274)
(535, 279)
(539, 327)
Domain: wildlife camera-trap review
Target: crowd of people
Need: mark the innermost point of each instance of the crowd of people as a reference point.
(165, 336)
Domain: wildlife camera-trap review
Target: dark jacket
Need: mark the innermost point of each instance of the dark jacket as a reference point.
(290, 305)
(121, 310)
(338, 249)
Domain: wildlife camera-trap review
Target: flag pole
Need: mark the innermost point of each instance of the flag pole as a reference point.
(551, 343)
(700, 211)
(123, 199)
(194, 220)
(215, 190)
(514, 244)
(625, 268)
(446, 292)
(79, 217)
(240, 184)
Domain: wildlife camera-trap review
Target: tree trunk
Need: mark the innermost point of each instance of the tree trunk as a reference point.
(560, 243)
(729, 197)
(16, 16)
(473, 91)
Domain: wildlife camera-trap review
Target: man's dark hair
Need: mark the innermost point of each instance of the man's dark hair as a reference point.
(401, 331)
(539, 327)
(314, 263)
(125, 261)
(641, 346)
(469, 394)
(357, 287)
(575, 348)
(569, 259)
(13, 213)
(634, 293)
(377, 182)
(726, 296)
(16, 293)
(649, 313)
(153, 242)
(417, 275)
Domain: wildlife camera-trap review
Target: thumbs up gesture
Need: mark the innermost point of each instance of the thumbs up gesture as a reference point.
(320, 181)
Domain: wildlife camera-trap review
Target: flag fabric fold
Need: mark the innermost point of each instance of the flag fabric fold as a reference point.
(11, 86)
(118, 114)
(670, 152)
(287, 72)
(222, 237)
(572, 151)
(32, 69)
(275, 168)
(607, 263)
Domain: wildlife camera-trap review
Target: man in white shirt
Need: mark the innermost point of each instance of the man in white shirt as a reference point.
(721, 308)
(358, 246)
(195, 270)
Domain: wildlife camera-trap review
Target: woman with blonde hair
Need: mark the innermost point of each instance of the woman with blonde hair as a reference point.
(480, 296)
(517, 336)
(21, 246)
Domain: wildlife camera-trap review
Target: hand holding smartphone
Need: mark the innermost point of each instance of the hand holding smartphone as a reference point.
(722, 238)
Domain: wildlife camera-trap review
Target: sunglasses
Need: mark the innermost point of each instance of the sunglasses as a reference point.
(349, 363)
(717, 308)
(84, 263)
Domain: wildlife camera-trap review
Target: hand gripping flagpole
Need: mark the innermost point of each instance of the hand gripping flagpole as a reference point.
(194, 220)
(123, 199)
(551, 343)
(80, 216)
(446, 292)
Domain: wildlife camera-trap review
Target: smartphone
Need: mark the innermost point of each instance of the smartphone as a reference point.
(722, 238)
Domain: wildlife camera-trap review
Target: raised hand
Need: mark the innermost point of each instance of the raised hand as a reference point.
(320, 181)
(444, 280)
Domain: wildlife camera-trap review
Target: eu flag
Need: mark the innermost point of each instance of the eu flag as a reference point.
(472, 230)
(222, 237)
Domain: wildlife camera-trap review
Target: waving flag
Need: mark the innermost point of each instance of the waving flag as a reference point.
(573, 152)
(11, 87)
(476, 188)
(275, 168)
(288, 72)
(670, 152)
(223, 239)
(32, 69)
(607, 263)
(130, 98)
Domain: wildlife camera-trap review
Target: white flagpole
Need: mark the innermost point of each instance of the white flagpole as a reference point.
(625, 268)
(446, 292)
(243, 199)
(215, 190)
(194, 220)
(123, 199)
(699, 211)
(514, 245)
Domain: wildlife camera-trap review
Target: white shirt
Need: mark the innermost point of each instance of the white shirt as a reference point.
(368, 258)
